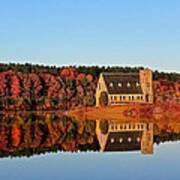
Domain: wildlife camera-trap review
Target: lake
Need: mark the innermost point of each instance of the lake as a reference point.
(54, 146)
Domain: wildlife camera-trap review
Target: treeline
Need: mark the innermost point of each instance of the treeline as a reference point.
(93, 70)
(172, 77)
(36, 68)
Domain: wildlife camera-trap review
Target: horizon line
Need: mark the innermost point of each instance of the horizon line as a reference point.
(93, 64)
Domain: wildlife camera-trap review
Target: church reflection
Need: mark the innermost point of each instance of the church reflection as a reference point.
(116, 136)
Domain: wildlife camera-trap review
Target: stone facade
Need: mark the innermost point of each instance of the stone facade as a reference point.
(126, 87)
(126, 137)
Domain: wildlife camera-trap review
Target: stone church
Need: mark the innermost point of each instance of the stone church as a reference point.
(119, 88)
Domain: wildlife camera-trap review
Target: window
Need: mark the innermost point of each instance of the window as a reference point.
(129, 139)
(138, 139)
(132, 98)
(128, 84)
(112, 140)
(120, 140)
(119, 84)
(137, 84)
(124, 97)
(115, 98)
(147, 126)
(111, 84)
(120, 97)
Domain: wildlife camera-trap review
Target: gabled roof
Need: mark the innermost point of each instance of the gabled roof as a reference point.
(117, 83)
(125, 145)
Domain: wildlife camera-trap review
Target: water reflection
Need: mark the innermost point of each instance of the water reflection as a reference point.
(25, 135)
(29, 134)
(116, 136)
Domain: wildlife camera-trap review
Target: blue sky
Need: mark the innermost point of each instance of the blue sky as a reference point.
(92, 32)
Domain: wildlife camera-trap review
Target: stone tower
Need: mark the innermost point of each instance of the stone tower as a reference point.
(146, 79)
(147, 140)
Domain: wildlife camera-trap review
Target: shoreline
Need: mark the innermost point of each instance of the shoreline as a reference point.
(128, 112)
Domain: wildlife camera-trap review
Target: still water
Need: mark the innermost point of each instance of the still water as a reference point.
(44, 146)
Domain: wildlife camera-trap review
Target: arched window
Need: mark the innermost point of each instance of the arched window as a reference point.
(119, 84)
(137, 84)
(112, 127)
(138, 139)
(128, 84)
(111, 84)
(112, 140)
(129, 139)
(120, 140)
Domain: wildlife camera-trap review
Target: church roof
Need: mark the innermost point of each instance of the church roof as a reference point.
(122, 83)
(123, 141)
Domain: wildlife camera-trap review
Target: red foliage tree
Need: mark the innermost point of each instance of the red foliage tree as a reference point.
(52, 84)
(3, 83)
(36, 85)
(15, 135)
(15, 86)
(69, 73)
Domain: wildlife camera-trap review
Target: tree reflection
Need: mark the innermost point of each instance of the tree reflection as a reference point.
(35, 134)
